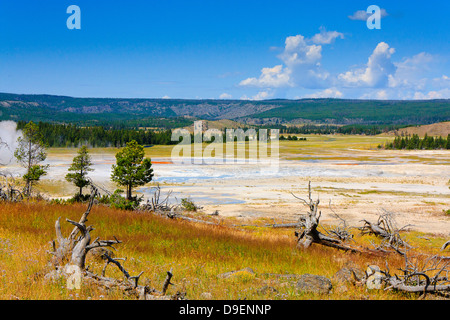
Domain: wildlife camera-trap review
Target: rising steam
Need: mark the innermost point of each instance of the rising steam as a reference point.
(8, 141)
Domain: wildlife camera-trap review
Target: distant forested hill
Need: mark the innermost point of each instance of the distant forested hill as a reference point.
(106, 110)
(344, 111)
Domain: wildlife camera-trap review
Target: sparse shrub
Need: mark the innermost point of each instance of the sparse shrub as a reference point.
(117, 201)
(188, 204)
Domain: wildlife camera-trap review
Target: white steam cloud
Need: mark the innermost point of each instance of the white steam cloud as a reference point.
(8, 141)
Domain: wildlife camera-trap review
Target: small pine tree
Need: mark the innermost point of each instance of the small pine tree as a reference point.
(131, 169)
(30, 153)
(80, 167)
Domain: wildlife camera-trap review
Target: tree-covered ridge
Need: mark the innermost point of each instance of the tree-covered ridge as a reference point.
(62, 135)
(414, 142)
(363, 129)
(90, 111)
(342, 111)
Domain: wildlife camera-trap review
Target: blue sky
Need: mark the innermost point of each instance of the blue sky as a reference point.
(226, 49)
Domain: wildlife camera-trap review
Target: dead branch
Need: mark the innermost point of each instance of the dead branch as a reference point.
(430, 275)
(308, 233)
(340, 231)
(445, 245)
(164, 209)
(72, 251)
(386, 228)
(167, 281)
(284, 225)
(156, 205)
(8, 190)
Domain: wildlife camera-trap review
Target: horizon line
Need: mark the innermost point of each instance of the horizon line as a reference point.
(218, 99)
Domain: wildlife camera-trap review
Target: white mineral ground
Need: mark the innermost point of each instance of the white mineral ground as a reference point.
(414, 185)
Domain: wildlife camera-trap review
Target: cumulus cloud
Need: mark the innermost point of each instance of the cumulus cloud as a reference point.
(326, 37)
(439, 94)
(270, 77)
(377, 72)
(380, 94)
(380, 77)
(362, 15)
(327, 93)
(259, 96)
(262, 95)
(441, 82)
(412, 71)
(297, 51)
(225, 96)
(301, 65)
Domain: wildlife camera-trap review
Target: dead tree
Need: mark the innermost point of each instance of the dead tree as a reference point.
(165, 209)
(72, 251)
(309, 223)
(8, 190)
(386, 229)
(430, 275)
(341, 230)
(157, 205)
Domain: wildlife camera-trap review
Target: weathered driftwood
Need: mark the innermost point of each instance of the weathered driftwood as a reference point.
(172, 211)
(284, 225)
(308, 233)
(71, 255)
(8, 190)
(421, 276)
(74, 248)
(386, 229)
(158, 205)
(445, 245)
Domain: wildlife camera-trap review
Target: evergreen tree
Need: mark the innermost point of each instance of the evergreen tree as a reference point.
(131, 169)
(80, 167)
(30, 153)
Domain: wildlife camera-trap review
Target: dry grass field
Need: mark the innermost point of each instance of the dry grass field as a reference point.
(198, 254)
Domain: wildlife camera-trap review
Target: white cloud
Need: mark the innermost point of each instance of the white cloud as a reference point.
(165, 97)
(377, 72)
(262, 95)
(327, 93)
(440, 94)
(411, 72)
(270, 78)
(441, 82)
(301, 66)
(297, 51)
(259, 96)
(362, 15)
(381, 77)
(225, 96)
(326, 37)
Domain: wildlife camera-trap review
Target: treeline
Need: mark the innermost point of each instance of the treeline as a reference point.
(347, 129)
(414, 142)
(69, 135)
(292, 138)
(136, 124)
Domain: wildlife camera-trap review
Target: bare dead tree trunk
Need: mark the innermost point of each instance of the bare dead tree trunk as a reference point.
(72, 251)
(308, 233)
(8, 190)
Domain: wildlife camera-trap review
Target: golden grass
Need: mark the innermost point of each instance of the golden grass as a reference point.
(198, 253)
